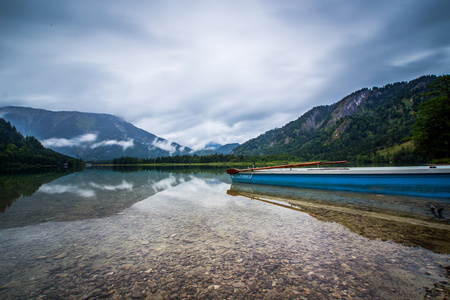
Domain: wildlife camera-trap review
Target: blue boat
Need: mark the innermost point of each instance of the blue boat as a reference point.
(424, 181)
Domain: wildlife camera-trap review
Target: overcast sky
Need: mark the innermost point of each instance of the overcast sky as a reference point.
(225, 71)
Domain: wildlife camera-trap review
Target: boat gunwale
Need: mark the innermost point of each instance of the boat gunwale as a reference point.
(426, 170)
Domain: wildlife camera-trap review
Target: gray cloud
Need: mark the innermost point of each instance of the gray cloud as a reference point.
(224, 71)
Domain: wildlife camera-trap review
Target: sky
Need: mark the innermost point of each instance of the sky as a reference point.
(223, 71)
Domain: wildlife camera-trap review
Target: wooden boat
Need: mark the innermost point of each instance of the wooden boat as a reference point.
(424, 181)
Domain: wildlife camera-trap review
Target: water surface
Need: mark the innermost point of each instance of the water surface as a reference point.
(168, 234)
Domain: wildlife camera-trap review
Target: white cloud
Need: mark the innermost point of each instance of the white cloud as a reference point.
(123, 144)
(86, 140)
(74, 142)
(164, 145)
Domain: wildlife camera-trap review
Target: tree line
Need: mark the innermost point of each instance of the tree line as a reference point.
(204, 159)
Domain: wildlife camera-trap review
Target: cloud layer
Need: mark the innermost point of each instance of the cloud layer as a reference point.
(78, 141)
(200, 71)
(123, 144)
(86, 140)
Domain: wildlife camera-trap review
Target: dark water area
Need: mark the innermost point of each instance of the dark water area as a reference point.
(191, 233)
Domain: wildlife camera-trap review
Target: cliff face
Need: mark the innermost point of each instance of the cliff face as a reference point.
(366, 118)
(349, 106)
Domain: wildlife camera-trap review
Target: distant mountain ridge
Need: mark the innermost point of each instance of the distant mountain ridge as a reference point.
(89, 136)
(214, 148)
(96, 137)
(358, 127)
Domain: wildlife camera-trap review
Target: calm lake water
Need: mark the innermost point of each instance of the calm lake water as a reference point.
(174, 234)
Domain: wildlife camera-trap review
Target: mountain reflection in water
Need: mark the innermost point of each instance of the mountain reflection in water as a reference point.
(93, 193)
(406, 220)
(15, 186)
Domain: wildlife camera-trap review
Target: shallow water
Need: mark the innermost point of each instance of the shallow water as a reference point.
(153, 234)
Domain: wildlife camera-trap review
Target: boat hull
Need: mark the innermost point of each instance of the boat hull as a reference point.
(417, 182)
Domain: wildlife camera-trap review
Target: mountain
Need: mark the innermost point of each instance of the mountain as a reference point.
(227, 149)
(18, 152)
(89, 136)
(361, 127)
(214, 148)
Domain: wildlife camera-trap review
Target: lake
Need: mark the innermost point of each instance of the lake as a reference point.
(191, 233)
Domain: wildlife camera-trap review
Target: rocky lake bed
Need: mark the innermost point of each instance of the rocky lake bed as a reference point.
(188, 238)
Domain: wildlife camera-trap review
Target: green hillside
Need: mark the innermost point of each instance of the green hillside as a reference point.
(369, 126)
(21, 153)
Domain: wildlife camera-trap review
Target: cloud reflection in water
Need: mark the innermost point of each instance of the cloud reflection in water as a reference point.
(166, 183)
(82, 191)
(60, 189)
(122, 186)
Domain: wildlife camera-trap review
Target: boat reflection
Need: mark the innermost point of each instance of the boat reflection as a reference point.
(405, 220)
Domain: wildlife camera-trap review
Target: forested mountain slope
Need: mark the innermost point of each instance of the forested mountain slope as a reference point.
(18, 152)
(365, 126)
